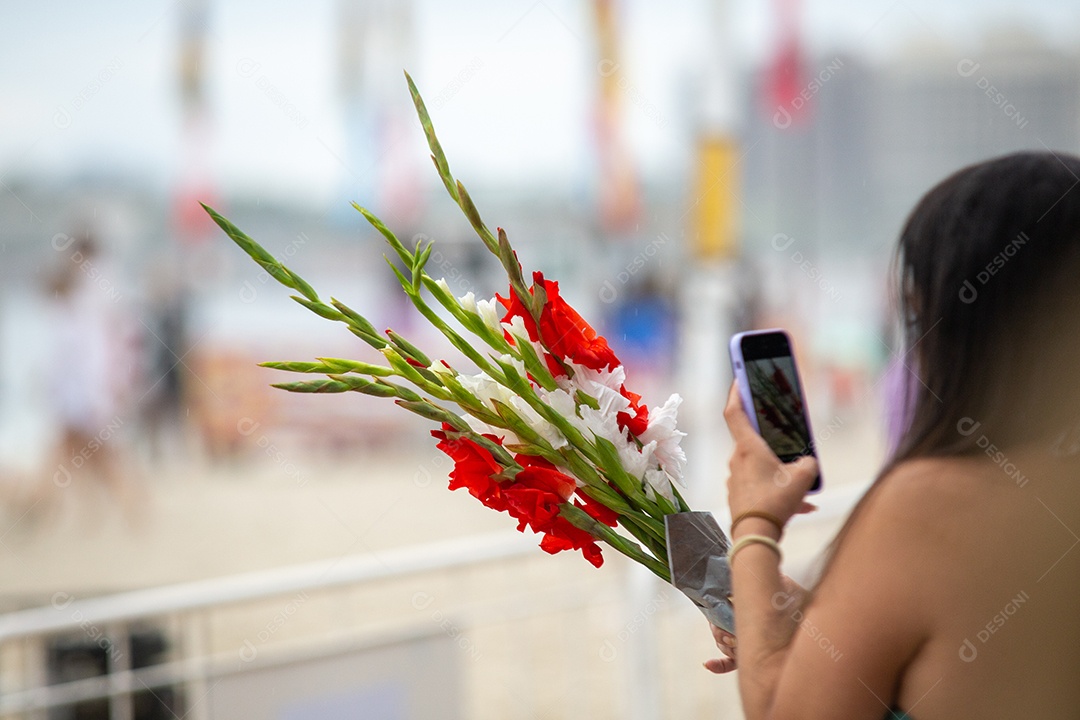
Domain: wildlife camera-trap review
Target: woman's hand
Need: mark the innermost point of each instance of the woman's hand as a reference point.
(759, 481)
(793, 595)
(727, 644)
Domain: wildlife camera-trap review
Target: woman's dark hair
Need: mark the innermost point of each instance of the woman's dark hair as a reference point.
(988, 285)
(989, 291)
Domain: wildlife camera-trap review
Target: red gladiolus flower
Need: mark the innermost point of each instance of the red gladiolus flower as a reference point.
(597, 511)
(636, 419)
(474, 467)
(561, 329)
(564, 536)
(533, 498)
(536, 493)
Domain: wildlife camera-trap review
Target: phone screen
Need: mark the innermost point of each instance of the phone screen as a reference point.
(778, 404)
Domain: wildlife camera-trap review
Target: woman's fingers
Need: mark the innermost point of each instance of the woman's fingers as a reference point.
(737, 422)
(725, 641)
(727, 644)
(720, 665)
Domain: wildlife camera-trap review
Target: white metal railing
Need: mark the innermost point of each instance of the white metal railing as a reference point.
(107, 615)
(67, 613)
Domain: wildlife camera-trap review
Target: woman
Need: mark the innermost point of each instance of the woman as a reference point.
(953, 590)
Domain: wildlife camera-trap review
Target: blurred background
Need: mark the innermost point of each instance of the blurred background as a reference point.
(177, 539)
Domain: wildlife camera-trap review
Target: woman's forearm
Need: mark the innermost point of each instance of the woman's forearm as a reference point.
(764, 623)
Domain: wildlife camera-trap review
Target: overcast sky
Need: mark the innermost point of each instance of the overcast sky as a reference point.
(92, 86)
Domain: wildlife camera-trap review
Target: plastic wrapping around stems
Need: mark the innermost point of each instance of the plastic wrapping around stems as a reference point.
(697, 555)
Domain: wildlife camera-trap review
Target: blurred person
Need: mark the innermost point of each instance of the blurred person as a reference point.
(643, 325)
(950, 592)
(163, 347)
(93, 360)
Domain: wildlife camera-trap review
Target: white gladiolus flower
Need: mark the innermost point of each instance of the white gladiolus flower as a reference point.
(542, 427)
(516, 327)
(602, 425)
(563, 403)
(514, 363)
(662, 431)
(438, 367)
(468, 300)
(659, 483)
(486, 389)
(481, 427)
(636, 460)
(520, 333)
(489, 313)
(441, 282)
(587, 379)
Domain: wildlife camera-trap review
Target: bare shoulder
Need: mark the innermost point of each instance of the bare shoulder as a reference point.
(921, 494)
(917, 522)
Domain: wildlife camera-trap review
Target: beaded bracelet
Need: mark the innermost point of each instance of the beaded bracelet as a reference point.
(751, 540)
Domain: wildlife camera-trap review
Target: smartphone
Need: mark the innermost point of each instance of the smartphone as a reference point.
(771, 393)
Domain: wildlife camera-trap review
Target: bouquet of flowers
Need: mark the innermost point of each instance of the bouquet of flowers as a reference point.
(543, 428)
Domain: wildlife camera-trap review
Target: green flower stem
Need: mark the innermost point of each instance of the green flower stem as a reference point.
(643, 528)
(403, 252)
(301, 367)
(612, 467)
(583, 521)
(338, 312)
(359, 322)
(322, 385)
(501, 247)
(407, 349)
(341, 365)
(437, 154)
(595, 485)
(536, 367)
(683, 507)
(452, 335)
(470, 321)
(378, 388)
(535, 300)
(403, 369)
(523, 389)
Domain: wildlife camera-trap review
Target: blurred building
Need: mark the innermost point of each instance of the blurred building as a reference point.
(827, 188)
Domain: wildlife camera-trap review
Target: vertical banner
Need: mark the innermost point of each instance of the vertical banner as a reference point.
(716, 187)
(619, 201)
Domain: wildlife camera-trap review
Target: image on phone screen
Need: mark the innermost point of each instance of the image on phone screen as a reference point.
(778, 405)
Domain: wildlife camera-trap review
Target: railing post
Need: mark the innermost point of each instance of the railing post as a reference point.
(193, 646)
(117, 667)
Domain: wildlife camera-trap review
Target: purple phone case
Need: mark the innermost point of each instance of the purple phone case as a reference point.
(738, 366)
